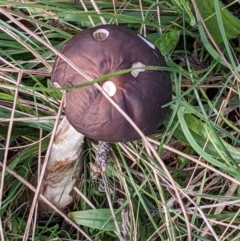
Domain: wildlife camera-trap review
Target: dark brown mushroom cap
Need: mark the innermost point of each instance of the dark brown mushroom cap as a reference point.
(141, 94)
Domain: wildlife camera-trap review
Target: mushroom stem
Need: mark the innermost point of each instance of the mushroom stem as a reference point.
(63, 167)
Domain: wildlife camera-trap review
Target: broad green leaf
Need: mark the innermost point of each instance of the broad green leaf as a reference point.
(96, 218)
(168, 41)
(215, 148)
(4, 96)
(184, 6)
(202, 133)
(203, 150)
(231, 24)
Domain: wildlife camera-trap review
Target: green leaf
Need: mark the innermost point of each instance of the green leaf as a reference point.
(203, 150)
(168, 41)
(184, 6)
(200, 129)
(27, 154)
(231, 24)
(4, 96)
(97, 218)
(195, 132)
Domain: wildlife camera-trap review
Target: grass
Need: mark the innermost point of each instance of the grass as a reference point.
(184, 183)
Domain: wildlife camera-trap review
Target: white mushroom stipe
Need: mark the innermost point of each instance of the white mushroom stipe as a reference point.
(147, 42)
(63, 167)
(110, 88)
(136, 72)
(100, 34)
(67, 144)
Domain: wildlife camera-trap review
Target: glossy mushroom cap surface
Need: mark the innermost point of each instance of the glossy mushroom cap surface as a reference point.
(140, 93)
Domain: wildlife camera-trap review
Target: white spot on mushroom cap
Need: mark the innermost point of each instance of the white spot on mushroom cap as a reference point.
(101, 34)
(135, 72)
(147, 42)
(110, 88)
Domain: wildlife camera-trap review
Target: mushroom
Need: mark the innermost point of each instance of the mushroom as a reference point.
(62, 170)
(140, 93)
